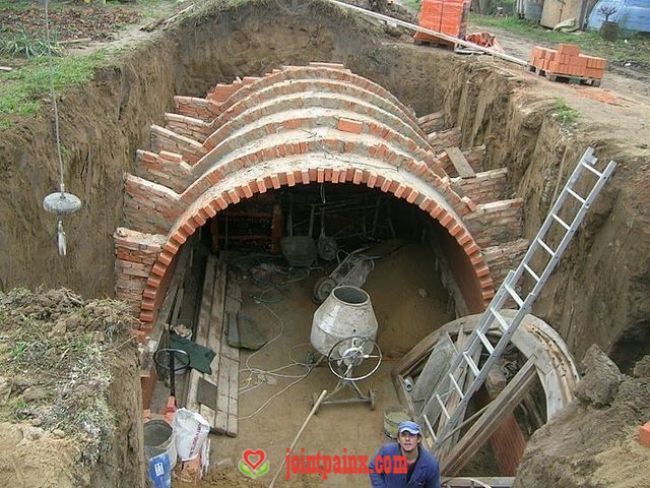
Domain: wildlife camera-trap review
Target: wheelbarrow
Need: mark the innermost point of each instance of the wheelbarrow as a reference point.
(353, 270)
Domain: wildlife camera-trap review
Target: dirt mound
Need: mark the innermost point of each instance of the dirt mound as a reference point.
(62, 412)
(591, 446)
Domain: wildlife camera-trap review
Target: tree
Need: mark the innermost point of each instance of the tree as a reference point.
(607, 11)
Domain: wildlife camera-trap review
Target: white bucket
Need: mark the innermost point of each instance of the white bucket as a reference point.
(159, 438)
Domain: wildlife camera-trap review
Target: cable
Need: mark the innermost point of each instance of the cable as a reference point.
(273, 372)
(53, 95)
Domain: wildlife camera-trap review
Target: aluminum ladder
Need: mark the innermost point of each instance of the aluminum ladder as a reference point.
(457, 386)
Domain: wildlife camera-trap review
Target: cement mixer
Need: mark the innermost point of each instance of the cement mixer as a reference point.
(344, 330)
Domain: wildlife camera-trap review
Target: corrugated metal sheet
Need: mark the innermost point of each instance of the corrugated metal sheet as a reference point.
(631, 15)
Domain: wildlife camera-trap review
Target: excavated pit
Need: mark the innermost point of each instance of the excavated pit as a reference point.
(597, 295)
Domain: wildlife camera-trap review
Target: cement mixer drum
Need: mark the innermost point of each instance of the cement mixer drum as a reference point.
(347, 312)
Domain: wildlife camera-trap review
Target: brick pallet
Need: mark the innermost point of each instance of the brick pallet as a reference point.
(567, 64)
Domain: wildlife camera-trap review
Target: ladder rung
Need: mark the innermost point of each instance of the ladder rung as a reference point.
(455, 383)
(545, 246)
(442, 405)
(485, 341)
(470, 362)
(575, 195)
(592, 169)
(560, 221)
(502, 322)
(515, 296)
(531, 272)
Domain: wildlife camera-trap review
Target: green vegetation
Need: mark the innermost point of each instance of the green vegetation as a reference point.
(413, 4)
(635, 49)
(22, 90)
(565, 114)
(22, 45)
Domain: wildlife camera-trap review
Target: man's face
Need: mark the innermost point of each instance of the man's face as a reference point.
(409, 442)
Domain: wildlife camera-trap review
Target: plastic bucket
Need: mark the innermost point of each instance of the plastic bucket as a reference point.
(159, 439)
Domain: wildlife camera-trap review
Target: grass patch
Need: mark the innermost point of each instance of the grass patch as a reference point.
(564, 113)
(22, 90)
(413, 4)
(634, 49)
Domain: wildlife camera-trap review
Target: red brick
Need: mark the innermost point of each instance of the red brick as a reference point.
(149, 293)
(348, 125)
(159, 269)
(644, 435)
(372, 179)
(146, 316)
(446, 219)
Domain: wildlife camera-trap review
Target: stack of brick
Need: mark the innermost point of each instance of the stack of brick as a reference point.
(446, 16)
(567, 60)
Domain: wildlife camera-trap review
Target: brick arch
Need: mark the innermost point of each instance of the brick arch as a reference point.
(339, 146)
(313, 71)
(218, 198)
(324, 99)
(297, 125)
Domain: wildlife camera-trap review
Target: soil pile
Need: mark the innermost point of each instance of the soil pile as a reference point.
(61, 411)
(592, 443)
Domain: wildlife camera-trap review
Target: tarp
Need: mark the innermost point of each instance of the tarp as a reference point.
(630, 15)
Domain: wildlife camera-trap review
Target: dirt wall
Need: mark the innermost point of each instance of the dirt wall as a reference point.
(598, 294)
(103, 124)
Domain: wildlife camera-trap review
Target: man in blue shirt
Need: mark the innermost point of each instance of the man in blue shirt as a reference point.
(421, 467)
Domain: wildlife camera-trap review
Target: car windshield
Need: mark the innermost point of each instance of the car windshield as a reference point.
(638, 3)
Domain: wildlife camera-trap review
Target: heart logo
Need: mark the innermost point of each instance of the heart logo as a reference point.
(254, 458)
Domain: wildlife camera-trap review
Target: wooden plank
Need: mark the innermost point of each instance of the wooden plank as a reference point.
(492, 482)
(484, 427)
(202, 333)
(226, 418)
(461, 164)
(214, 337)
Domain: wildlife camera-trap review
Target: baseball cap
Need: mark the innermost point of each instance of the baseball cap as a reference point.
(408, 426)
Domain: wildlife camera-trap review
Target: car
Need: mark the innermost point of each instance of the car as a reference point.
(630, 15)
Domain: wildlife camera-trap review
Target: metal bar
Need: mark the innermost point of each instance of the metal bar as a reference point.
(576, 196)
(546, 247)
(531, 272)
(561, 222)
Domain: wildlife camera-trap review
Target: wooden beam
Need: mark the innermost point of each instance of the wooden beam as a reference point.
(461, 165)
(485, 426)
(492, 482)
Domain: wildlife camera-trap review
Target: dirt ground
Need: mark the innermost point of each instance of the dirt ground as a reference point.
(61, 411)
(103, 147)
(621, 105)
(394, 287)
